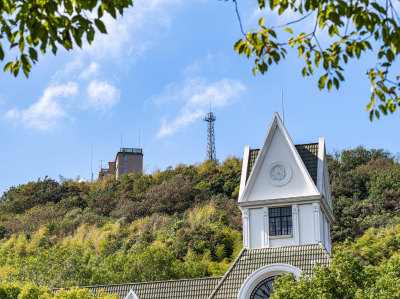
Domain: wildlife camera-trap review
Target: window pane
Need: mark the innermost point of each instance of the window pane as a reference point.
(280, 221)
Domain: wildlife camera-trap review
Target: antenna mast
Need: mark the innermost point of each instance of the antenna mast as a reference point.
(210, 119)
(283, 113)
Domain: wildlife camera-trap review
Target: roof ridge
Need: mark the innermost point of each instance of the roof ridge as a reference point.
(274, 247)
(306, 143)
(326, 251)
(148, 282)
(227, 272)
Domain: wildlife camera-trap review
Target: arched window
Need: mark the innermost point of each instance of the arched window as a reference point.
(259, 283)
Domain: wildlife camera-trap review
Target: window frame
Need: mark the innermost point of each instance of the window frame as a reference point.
(280, 221)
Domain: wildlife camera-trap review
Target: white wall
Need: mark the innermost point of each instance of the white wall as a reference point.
(311, 230)
(281, 241)
(256, 223)
(306, 224)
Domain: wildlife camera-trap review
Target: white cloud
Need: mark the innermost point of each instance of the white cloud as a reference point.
(101, 95)
(127, 39)
(46, 113)
(196, 95)
(2, 102)
(132, 34)
(92, 70)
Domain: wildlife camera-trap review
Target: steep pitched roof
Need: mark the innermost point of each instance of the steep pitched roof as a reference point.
(308, 153)
(198, 288)
(277, 148)
(303, 257)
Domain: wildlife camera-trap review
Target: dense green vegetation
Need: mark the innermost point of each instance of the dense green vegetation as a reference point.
(10, 290)
(178, 223)
(184, 223)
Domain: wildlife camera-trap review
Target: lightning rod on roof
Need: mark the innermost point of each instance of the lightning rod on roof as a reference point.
(283, 113)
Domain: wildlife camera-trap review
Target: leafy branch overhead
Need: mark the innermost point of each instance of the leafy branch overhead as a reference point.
(30, 26)
(355, 27)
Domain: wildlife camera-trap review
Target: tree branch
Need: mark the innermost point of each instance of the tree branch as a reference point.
(239, 19)
(292, 22)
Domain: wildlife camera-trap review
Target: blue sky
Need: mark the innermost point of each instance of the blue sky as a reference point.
(156, 72)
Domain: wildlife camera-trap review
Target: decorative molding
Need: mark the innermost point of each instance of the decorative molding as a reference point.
(266, 228)
(264, 272)
(245, 164)
(291, 200)
(320, 165)
(316, 217)
(246, 233)
(279, 173)
(329, 239)
(295, 222)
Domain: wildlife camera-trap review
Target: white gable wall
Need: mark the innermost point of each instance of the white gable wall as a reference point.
(299, 185)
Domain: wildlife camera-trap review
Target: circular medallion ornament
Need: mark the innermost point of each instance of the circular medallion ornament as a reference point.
(280, 174)
(264, 289)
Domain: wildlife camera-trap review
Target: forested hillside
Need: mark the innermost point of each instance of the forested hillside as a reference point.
(177, 223)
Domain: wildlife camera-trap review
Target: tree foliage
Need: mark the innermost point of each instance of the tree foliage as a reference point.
(354, 28)
(367, 268)
(29, 27)
(365, 191)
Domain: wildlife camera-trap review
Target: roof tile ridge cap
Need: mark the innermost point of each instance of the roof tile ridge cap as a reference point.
(226, 273)
(147, 282)
(325, 250)
(306, 143)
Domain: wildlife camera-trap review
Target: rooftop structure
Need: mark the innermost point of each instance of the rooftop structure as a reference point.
(127, 160)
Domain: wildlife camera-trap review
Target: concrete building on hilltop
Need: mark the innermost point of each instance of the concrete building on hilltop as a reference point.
(286, 206)
(127, 160)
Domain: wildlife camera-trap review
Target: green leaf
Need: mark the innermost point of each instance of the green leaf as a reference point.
(321, 82)
(237, 45)
(33, 54)
(261, 21)
(336, 83)
(100, 25)
(304, 72)
(329, 85)
(288, 30)
(8, 65)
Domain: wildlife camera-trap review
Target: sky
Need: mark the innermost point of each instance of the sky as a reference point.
(149, 83)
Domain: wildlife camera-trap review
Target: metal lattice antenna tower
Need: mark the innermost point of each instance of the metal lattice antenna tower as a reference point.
(210, 118)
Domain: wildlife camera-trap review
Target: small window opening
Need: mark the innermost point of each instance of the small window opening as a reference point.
(280, 221)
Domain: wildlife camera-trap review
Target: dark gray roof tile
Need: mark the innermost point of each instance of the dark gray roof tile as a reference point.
(308, 153)
(198, 288)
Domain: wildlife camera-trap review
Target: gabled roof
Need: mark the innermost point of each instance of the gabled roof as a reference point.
(278, 147)
(198, 288)
(304, 257)
(308, 153)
